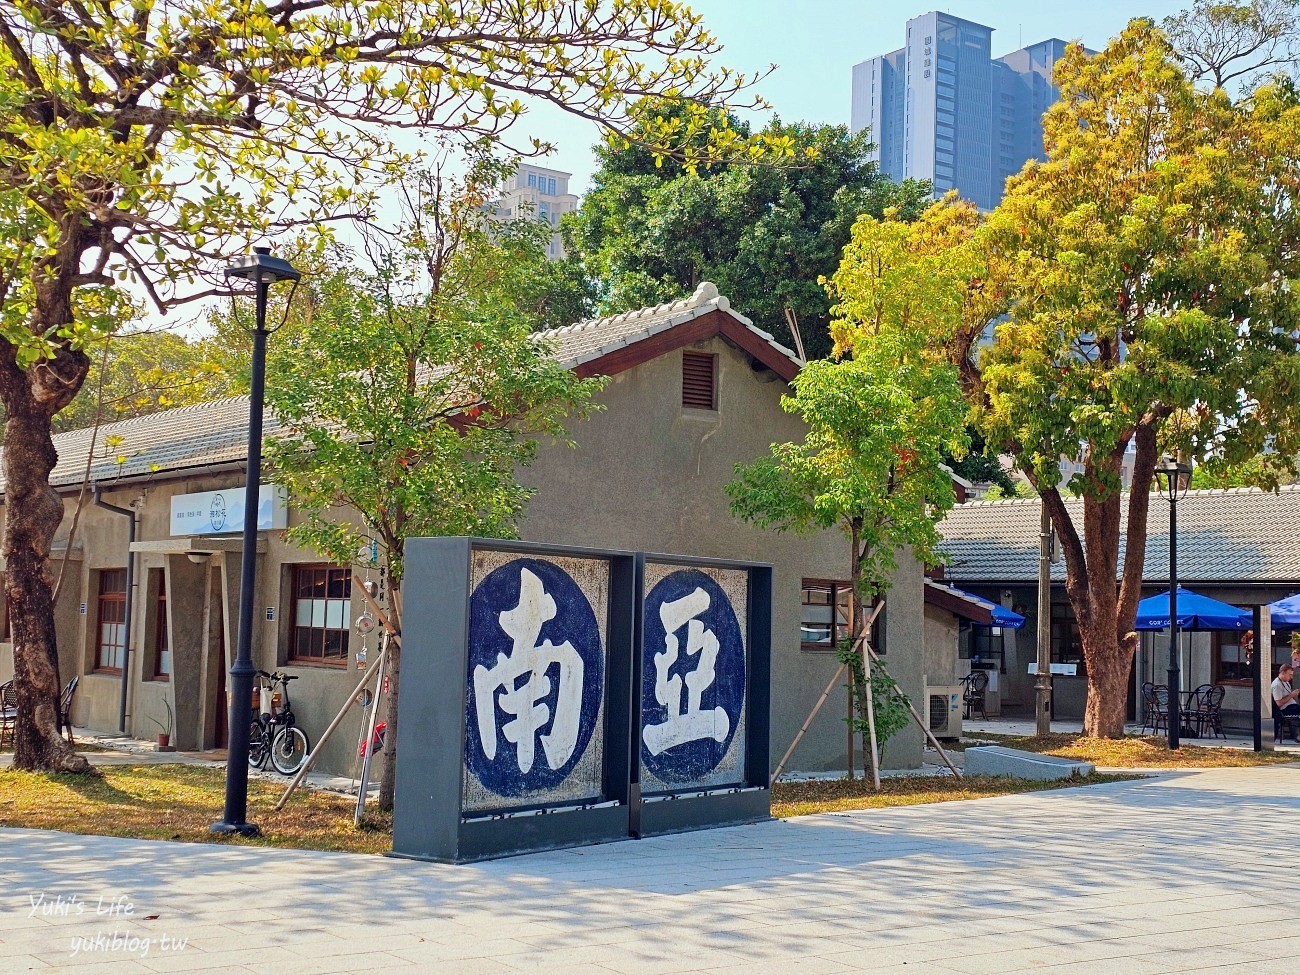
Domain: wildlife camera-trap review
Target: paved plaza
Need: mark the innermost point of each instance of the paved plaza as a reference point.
(1192, 871)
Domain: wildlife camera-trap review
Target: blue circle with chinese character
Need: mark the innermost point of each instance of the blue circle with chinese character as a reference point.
(535, 677)
(693, 677)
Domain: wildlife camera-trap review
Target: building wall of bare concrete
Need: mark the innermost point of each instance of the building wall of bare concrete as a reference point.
(202, 587)
(941, 635)
(646, 475)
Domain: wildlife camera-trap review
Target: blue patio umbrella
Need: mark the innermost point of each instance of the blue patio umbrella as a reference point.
(1195, 612)
(1286, 612)
(1007, 618)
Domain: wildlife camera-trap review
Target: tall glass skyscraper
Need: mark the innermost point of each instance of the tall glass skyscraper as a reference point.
(941, 108)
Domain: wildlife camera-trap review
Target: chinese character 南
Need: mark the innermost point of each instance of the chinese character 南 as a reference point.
(686, 719)
(523, 678)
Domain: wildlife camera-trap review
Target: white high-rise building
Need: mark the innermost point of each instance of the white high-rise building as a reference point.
(540, 193)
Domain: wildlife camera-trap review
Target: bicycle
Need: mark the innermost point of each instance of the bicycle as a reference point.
(274, 733)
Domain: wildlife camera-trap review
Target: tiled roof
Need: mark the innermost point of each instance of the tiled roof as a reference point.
(216, 432)
(1237, 535)
(590, 339)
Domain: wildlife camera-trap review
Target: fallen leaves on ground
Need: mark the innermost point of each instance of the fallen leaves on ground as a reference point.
(180, 802)
(1134, 751)
(839, 795)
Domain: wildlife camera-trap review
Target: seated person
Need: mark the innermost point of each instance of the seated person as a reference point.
(1285, 700)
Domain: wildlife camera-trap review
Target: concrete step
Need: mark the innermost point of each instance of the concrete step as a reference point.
(997, 760)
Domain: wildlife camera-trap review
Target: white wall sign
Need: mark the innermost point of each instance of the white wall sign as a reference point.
(222, 512)
(1061, 670)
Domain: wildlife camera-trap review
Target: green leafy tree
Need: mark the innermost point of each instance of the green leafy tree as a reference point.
(1018, 489)
(418, 392)
(980, 465)
(764, 235)
(146, 142)
(1251, 473)
(141, 371)
(1144, 272)
(870, 464)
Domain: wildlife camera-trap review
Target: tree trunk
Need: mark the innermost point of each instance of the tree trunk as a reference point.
(33, 511)
(1109, 668)
(860, 691)
(388, 781)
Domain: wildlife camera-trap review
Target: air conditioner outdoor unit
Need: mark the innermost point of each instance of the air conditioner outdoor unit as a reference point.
(943, 706)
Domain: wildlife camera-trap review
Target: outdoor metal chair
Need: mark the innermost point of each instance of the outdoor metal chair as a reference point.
(8, 711)
(1195, 711)
(1281, 724)
(977, 685)
(1158, 709)
(65, 706)
(1148, 705)
(1210, 717)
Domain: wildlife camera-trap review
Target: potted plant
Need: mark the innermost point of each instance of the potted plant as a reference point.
(164, 730)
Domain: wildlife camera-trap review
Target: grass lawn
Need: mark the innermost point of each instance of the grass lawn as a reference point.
(180, 802)
(840, 795)
(82, 746)
(1133, 752)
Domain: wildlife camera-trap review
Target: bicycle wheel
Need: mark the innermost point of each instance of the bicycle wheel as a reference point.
(258, 752)
(289, 750)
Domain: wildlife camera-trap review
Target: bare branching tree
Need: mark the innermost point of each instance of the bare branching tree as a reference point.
(1225, 42)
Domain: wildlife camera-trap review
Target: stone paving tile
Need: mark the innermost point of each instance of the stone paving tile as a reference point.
(1147, 878)
(25, 963)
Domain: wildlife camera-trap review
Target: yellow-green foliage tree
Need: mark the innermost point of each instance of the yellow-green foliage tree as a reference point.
(881, 416)
(145, 142)
(1147, 269)
(1145, 273)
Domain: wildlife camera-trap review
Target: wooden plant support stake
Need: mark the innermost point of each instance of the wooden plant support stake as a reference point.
(921, 724)
(370, 743)
(871, 704)
(352, 698)
(780, 766)
(338, 719)
(380, 615)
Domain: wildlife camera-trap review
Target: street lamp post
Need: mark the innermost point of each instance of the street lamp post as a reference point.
(1174, 477)
(263, 270)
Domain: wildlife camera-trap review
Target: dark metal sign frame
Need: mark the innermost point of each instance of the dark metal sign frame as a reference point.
(435, 819)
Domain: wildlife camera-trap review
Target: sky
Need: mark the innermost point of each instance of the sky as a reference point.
(815, 43)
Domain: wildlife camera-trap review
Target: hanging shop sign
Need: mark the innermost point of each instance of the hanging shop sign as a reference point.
(222, 512)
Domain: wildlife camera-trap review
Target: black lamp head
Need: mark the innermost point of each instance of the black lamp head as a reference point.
(1175, 477)
(261, 268)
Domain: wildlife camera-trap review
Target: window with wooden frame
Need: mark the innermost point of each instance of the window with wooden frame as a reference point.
(824, 618)
(322, 614)
(699, 381)
(162, 651)
(110, 621)
(1230, 663)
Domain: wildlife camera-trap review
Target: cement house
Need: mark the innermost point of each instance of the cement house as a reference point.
(694, 389)
(1237, 545)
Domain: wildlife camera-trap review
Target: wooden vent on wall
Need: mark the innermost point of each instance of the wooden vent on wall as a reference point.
(698, 381)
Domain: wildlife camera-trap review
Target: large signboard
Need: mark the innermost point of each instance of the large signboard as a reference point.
(222, 512)
(702, 670)
(535, 683)
(555, 696)
(693, 678)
